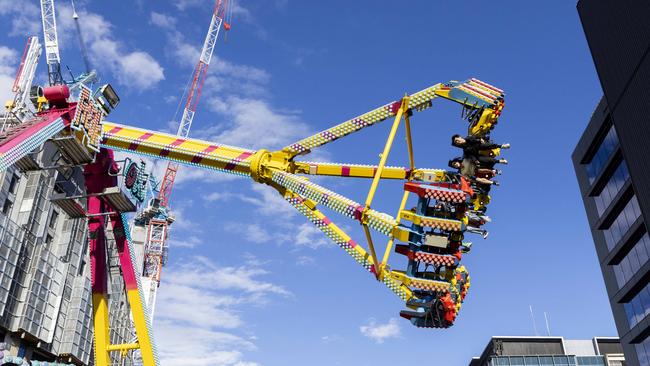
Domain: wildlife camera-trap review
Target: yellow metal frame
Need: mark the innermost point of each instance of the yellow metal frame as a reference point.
(279, 169)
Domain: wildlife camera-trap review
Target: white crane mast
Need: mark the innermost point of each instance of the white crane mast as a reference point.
(204, 61)
(155, 250)
(51, 41)
(18, 108)
(25, 76)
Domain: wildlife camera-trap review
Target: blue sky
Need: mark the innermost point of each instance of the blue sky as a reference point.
(249, 282)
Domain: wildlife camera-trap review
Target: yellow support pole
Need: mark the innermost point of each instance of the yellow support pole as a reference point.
(377, 177)
(384, 154)
(409, 145)
(409, 141)
(371, 249)
(101, 327)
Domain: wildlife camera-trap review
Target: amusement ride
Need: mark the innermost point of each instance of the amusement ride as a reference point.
(431, 236)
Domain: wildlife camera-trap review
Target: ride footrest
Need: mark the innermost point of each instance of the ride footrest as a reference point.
(432, 222)
(438, 312)
(428, 258)
(421, 283)
(437, 191)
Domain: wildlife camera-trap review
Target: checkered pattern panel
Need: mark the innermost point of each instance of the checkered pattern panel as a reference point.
(436, 259)
(429, 285)
(442, 224)
(444, 194)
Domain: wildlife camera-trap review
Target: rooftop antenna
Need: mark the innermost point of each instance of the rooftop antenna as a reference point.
(532, 317)
(548, 328)
(82, 44)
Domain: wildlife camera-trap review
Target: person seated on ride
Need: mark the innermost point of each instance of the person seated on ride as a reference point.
(487, 173)
(443, 210)
(476, 220)
(475, 144)
(475, 230)
(470, 170)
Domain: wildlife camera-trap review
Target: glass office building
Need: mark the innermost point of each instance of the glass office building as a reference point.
(550, 351)
(45, 294)
(612, 165)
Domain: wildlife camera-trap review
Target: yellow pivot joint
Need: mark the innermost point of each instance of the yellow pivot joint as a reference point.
(263, 162)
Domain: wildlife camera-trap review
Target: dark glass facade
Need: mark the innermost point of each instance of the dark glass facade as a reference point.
(612, 165)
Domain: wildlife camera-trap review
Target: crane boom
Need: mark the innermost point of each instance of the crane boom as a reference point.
(19, 107)
(51, 41)
(82, 45)
(155, 249)
(220, 10)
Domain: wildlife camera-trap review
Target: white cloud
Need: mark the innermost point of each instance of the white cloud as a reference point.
(305, 260)
(268, 201)
(8, 63)
(25, 17)
(224, 278)
(192, 346)
(237, 10)
(331, 338)
(191, 241)
(380, 332)
(310, 236)
(131, 68)
(170, 99)
(162, 20)
(253, 123)
(217, 196)
(140, 69)
(199, 312)
(184, 4)
(252, 232)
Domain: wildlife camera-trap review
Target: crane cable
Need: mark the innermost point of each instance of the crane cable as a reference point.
(82, 45)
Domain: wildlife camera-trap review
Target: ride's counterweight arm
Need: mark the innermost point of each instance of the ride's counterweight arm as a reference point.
(188, 151)
(379, 221)
(419, 101)
(343, 240)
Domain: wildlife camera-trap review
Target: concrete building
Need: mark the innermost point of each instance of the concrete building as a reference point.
(520, 351)
(45, 294)
(612, 166)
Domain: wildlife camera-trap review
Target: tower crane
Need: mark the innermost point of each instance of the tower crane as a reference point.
(157, 217)
(51, 41)
(18, 108)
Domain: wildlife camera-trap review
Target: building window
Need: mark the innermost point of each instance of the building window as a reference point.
(643, 352)
(597, 163)
(638, 307)
(54, 216)
(612, 188)
(13, 183)
(635, 259)
(6, 207)
(622, 223)
(546, 360)
(591, 360)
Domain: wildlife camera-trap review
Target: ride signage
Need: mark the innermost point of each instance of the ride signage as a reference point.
(135, 179)
(88, 119)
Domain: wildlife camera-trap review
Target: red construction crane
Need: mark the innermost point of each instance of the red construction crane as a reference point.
(221, 16)
(157, 215)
